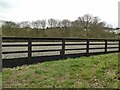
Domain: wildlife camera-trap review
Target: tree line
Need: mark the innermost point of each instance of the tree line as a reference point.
(87, 21)
(87, 24)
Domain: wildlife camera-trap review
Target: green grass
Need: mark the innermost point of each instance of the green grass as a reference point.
(86, 72)
(57, 32)
(0, 80)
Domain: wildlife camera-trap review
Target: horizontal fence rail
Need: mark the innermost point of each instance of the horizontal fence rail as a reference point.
(33, 50)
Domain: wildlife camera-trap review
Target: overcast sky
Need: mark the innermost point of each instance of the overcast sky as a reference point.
(30, 10)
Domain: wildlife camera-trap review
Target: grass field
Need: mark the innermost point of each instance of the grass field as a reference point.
(86, 72)
(0, 80)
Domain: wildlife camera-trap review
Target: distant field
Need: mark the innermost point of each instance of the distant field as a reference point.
(85, 72)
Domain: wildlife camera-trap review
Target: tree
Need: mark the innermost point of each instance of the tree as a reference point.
(66, 23)
(1, 23)
(43, 24)
(24, 24)
(86, 21)
(52, 23)
(59, 23)
(36, 24)
(9, 25)
(102, 24)
(75, 24)
(96, 20)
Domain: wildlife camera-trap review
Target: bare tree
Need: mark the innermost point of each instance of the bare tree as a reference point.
(96, 20)
(66, 23)
(1, 23)
(36, 24)
(24, 24)
(86, 21)
(52, 23)
(75, 24)
(59, 23)
(102, 24)
(43, 23)
(9, 24)
(55, 22)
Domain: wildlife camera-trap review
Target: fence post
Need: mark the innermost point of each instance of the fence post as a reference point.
(62, 53)
(87, 48)
(29, 50)
(105, 46)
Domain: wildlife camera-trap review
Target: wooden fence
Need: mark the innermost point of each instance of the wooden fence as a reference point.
(108, 46)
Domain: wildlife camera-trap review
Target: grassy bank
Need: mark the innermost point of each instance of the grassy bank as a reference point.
(85, 72)
(0, 80)
(57, 32)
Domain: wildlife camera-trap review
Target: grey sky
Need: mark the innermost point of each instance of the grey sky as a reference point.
(28, 10)
(119, 14)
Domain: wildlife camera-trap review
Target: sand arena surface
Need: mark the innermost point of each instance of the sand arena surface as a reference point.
(17, 55)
